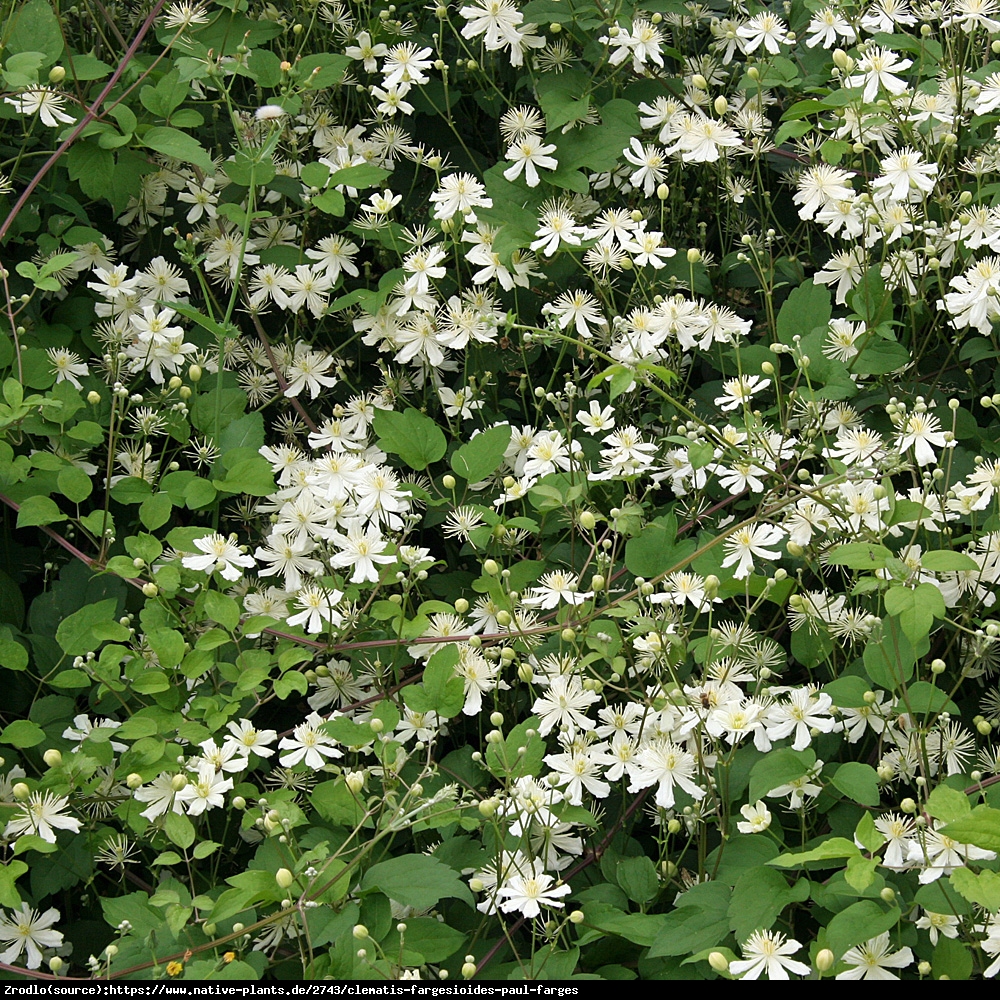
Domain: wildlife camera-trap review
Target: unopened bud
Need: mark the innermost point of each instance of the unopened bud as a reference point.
(52, 757)
(824, 960)
(93, 397)
(721, 105)
(194, 373)
(587, 520)
(178, 782)
(938, 667)
(284, 878)
(908, 806)
(448, 482)
(718, 961)
(21, 791)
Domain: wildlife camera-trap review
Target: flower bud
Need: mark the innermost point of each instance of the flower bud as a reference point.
(21, 791)
(355, 781)
(360, 932)
(93, 397)
(567, 635)
(753, 73)
(938, 667)
(377, 725)
(503, 618)
(239, 803)
(56, 964)
(888, 894)
(178, 782)
(496, 719)
(468, 970)
(133, 781)
(461, 606)
(693, 255)
(663, 191)
(490, 567)
(908, 806)
(57, 74)
(699, 81)
(824, 960)
(587, 520)
(284, 878)
(721, 105)
(52, 757)
(718, 961)
(525, 673)
(674, 826)
(448, 482)
(924, 968)
(194, 373)
(150, 589)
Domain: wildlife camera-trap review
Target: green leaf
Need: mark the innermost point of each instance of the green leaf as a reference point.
(411, 435)
(154, 511)
(179, 830)
(417, 880)
(364, 175)
(859, 555)
(503, 758)
(952, 959)
(858, 782)
(779, 768)
(34, 27)
(131, 490)
(13, 655)
(981, 829)
(223, 609)
(860, 872)
(325, 69)
(9, 874)
(39, 511)
(848, 691)
(205, 848)
(867, 835)
(637, 877)
(432, 940)
(890, 660)
(249, 475)
(759, 896)
(700, 920)
(916, 608)
(178, 145)
(441, 691)
(833, 848)
(857, 923)
(74, 484)
(75, 633)
(923, 698)
(983, 889)
(22, 734)
(482, 455)
(946, 561)
(807, 307)
(639, 928)
(246, 432)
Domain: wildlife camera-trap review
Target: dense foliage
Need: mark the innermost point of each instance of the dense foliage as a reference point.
(503, 491)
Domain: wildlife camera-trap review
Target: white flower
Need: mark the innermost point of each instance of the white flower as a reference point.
(748, 542)
(922, 432)
(307, 743)
(528, 893)
(27, 930)
(43, 101)
(42, 816)
(878, 68)
(161, 796)
(757, 816)
(459, 194)
(663, 762)
(764, 29)
(740, 391)
(528, 154)
(904, 172)
(222, 554)
(871, 959)
(67, 366)
(206, 792)
(768, 951)
(247, 739)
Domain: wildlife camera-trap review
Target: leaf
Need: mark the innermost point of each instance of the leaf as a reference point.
(700, 920)
(325, 69)
(75, 633)
(952, 959)
(807, 307)
(779, 768)
(503, 758)
(923, 698)
(482, 455)
(35, 28)
(179, 146)
(441, 691)
(847, 692)
(916, 608)
(74, 484)
(867, 835)
(858, 782)
(13, 655)
(364, 175)
(222, 609)
(245, 432)
(889, 661)
(759, 896)
(417, 880)
(22, 734)
(411, 435)
(860, 872)
(179, 829)
(9, 874)
(983, 888)
(39, 511)
(639, 928)
(832, 849)
(654, 551)
(253, 476)
(857, 923)
(981, 829)
(859, 555)
(637, 877)
(946, 561)
(154, 511)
